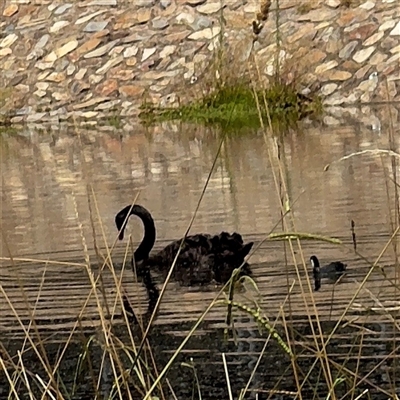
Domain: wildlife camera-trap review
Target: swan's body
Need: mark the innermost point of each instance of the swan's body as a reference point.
(332, 271)
(203, 258)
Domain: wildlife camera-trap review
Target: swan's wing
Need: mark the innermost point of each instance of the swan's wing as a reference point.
(201, 242)
(204, 258)
(193, 247)
(194, 268)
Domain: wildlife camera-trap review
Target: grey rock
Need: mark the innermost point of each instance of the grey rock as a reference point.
(57, 112)
(201, 23)
(64, 116)
(144, 3)
(160, 23)
(328, 89)
(334, 100)
(348, 49)
(185, 18)
(81, 73)
(329, 120)
(39, 93)
(8, 40)
(333, 3)
(148, 52)
(17, 120)
(89, 114)
(38, 50)
(167, 50)
(88, 17)
(387, 25)
(136, 37)
(42, 41)
(58, 26)
(94, 79)
(33, 28)
(396, 30)
(363, 55)
(8, 74)
(62, 9)
(208, 33)
(17, 80)
(35, 117)
(101, 50)
(109, 64)
(102, 3)
(71, 69)
(210, 8)
(42, 85)
(62, 65)
(22, 88)
(165, 3)
(44, 65)
(131, 51)
(95, 26)
(9, 29)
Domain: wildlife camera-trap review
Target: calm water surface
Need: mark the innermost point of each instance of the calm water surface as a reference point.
(51, 181)
(47, 179)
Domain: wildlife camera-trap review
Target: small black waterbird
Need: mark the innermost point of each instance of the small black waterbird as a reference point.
(332, 271)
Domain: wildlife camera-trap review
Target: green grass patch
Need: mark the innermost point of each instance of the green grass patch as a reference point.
(238, 106)
(115, 121)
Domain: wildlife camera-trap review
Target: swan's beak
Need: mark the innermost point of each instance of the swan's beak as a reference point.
(121, 235)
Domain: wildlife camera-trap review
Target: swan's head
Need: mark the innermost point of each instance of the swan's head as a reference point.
(121, 219)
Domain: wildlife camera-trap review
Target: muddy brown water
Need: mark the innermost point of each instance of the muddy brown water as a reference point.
(52, 183)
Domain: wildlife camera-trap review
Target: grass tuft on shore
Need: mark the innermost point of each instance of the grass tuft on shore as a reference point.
(235, 106)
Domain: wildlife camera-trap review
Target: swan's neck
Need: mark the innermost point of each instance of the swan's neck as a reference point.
(149, 237)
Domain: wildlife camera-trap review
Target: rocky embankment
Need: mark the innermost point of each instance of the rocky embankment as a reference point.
(86, 59)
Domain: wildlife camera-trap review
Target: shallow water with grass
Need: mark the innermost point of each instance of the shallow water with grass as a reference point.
(63, 331)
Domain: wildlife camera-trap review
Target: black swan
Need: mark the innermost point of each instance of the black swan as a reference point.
(203, 258)
(332, 271)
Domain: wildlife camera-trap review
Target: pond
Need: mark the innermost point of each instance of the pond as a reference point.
(61, 190)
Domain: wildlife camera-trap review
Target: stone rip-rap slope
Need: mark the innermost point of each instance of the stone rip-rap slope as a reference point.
(87, 58)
